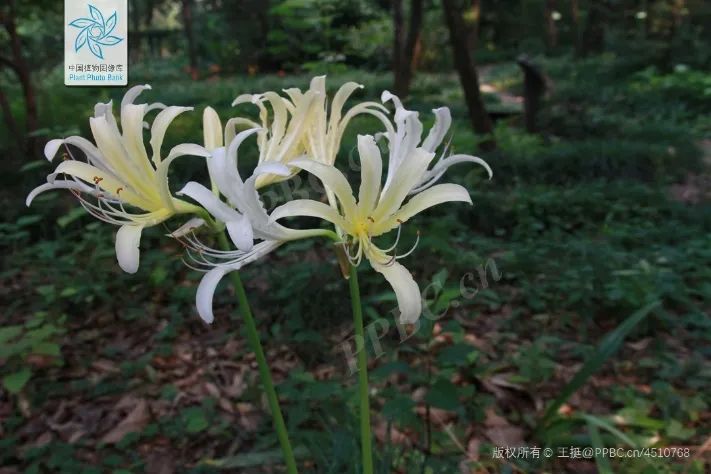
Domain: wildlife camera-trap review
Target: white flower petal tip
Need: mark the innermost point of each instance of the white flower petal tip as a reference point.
(128, 239)
(407, 292)
(192, 149)
(206, 293)
(386, 96)
(52, 147)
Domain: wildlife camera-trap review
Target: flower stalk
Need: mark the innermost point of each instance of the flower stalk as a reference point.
(264, 371)
(362, 364)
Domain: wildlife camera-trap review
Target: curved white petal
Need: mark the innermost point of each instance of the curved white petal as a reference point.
(409, 299)
(52, 147)
(371, 172)
(308, 208)
(443, 120)
(105, 181)
(433, 175)
(407, 177)
(58, 184)
(231, 127)
(128, 239)
(92, 153)
(334, 180)
(106, 112)
(339, 100)
(431, 197)
(160, 126)
(246, 99)
(206, 292)
(184, 149)
(132, 94)
(188, 149)
(209, 201)
(241, 233)
(318, 84)
(211, 129)
(132, 126)
(223, 167)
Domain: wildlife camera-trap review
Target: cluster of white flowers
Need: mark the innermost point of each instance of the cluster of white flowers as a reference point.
(120, 184)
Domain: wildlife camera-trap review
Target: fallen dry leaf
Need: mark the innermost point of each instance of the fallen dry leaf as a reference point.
(135, 421)
(501, 432)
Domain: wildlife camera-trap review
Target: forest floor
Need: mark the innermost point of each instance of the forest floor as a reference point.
(592, 245)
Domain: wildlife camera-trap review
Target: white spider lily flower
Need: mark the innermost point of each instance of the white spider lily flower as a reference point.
(315, 128)
(244, 216)
(376, 211)
(328, 124)
(130, 189)
(407, 137)
(279, 140)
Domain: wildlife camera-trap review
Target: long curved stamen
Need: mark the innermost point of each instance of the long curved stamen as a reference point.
(197, 269)
(355, 260)
(397, 239)
(414, 246)
(98, 212)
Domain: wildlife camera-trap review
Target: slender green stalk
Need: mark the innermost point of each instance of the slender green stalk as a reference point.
(264, 372)
(363, 392)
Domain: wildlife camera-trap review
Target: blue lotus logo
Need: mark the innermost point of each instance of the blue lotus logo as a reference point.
(95, 32)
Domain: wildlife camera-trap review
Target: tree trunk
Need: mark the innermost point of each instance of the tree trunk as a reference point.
(10, 121)
(551, 27)
(406, 46)
(575, 15)
(190, 38)
(480, 120)
(22, 69)
(473, 25)
(594, 32)
(398, 43)
(412, 46)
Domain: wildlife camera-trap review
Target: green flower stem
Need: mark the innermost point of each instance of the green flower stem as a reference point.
(264, 372)
(363, 392)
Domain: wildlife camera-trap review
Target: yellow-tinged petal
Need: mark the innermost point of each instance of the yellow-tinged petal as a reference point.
(211, 129)
(430, 197)
(112, 186)
(132, 126)
(132, 94)
(162, 171)
(407, 176)
(309, 208)
(371, 172)
(334, 180)
(111, 147)
(339, 100)
(160, 126)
